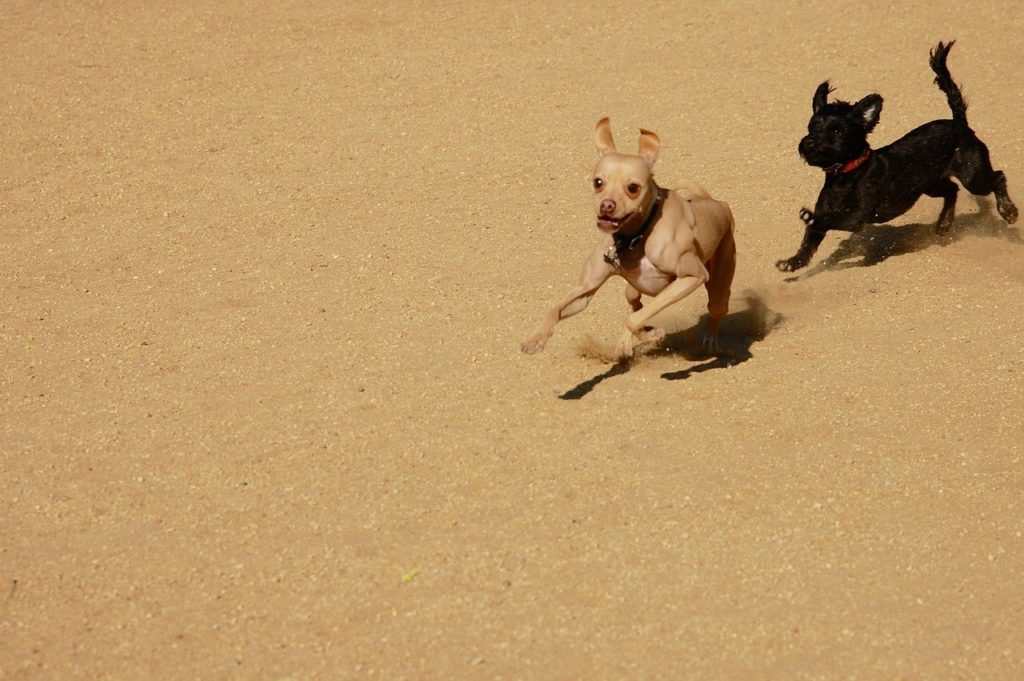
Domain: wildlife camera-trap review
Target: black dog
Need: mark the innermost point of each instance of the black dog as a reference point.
(864, 186)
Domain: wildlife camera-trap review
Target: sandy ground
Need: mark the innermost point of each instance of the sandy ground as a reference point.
(263, 276)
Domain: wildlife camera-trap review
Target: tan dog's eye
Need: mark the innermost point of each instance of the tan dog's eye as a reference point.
(598, 183)
(633, 188)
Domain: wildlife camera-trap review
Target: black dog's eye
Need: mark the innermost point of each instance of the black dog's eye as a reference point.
(598, 183)
(633, 188)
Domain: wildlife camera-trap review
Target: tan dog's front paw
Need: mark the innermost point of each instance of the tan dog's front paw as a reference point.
(652, 335)
(533, 344)
(624, 350)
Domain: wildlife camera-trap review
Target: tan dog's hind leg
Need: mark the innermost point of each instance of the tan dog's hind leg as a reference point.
(649, 334)
(721, 268)
(633, 298)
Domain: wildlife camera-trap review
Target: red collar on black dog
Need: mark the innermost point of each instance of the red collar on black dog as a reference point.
(849, 166)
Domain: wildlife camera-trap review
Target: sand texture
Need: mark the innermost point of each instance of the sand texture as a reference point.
(264, 272)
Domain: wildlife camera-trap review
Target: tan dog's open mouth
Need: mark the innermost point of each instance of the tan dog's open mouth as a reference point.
(609, 224)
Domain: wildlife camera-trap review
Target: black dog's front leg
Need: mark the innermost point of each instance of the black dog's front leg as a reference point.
(813, 237)
(817, 227)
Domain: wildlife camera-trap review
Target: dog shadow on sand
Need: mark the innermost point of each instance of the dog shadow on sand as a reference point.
(738, 331)
(877, 243)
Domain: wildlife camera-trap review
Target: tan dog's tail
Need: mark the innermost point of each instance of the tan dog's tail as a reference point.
(688, 189)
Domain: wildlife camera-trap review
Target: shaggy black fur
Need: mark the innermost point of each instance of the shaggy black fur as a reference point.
(864, 186)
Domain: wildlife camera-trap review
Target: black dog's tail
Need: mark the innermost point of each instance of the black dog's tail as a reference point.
(945, 82)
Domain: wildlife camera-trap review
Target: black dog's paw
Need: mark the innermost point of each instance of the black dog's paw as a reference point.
(791, 264)
(807, 216)
(1008, 211)
(942, 227)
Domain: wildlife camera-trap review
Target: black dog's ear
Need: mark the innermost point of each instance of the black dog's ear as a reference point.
(867, 111)
(821, 97)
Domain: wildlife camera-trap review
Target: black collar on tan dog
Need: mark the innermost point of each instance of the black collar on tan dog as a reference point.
(849, 166)
(624, 242)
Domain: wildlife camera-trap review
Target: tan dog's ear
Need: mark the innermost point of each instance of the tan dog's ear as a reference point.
(650, 145)
(603, 137)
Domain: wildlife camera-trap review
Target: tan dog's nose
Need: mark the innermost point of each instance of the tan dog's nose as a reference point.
(607, 207)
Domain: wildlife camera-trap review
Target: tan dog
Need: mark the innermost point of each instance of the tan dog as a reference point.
(664, 243)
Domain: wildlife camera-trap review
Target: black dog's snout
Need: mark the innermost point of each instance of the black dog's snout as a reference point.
(807, 145)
